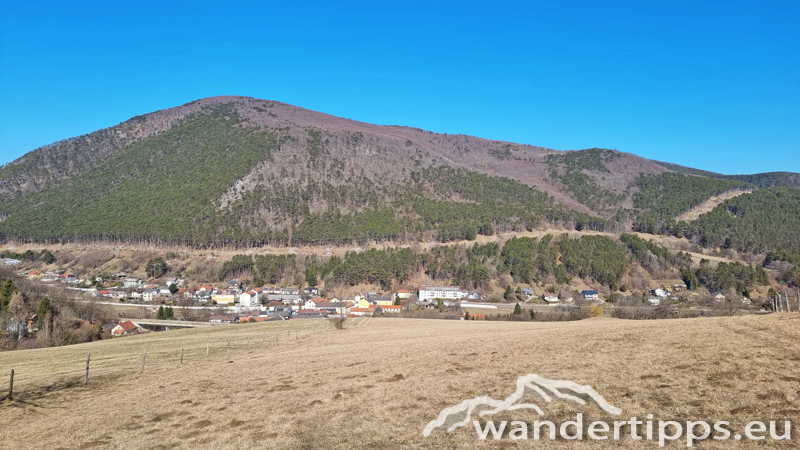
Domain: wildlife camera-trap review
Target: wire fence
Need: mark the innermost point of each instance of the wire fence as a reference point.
(98, 366)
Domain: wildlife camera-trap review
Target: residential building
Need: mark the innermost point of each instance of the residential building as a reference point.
(224, 297)
(403, 294)
(361, 312)
(49, 277)
(590, 295)
(660, 293)
(473, 296)
(125, 328)
(312, 303)
(443, 292)
(248, 299)
(381, 300)
(311, 290)
(132, 282)
(308, 314)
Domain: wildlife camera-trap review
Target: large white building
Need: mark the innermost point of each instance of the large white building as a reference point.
(443, 292)
(248, 299)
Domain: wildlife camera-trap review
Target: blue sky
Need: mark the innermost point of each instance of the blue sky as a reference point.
(713, 85)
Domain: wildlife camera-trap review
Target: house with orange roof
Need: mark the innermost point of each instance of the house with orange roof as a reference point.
(361, 312)
(402, 294)
(125, 328)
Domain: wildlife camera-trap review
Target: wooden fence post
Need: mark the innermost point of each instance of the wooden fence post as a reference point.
(181, 355)
(207, 347)
(88, 358)
(11, 386)
(144, 357)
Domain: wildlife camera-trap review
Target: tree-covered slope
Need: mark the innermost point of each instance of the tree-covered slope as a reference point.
(165, 186)
(661, 198)
(762, 180)
(215, 178)
(769, 179)
(764, 220)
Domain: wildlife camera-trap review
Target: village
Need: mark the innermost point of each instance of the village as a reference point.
(235, 302)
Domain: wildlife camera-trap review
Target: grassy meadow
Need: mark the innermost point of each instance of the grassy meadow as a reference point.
(378, 383)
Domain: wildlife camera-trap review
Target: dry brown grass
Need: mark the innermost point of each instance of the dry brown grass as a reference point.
(377, 384)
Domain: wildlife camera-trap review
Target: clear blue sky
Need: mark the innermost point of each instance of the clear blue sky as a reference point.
(713, 85)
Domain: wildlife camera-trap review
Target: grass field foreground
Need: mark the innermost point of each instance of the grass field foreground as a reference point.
(378, 383)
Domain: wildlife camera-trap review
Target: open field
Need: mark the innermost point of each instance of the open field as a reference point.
(377, 384)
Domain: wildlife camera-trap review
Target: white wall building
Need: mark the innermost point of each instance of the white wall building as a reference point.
(443, 292)
(249, 298)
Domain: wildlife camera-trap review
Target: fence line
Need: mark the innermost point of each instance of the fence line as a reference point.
(89, 367)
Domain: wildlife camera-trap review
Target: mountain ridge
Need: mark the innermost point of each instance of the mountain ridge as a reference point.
(245, 170)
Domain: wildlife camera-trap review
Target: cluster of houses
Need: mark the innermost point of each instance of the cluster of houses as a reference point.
(561, 297)
(230, 295)
(665, 292)
(53, 276)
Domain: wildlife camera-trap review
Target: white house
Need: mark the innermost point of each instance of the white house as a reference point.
(163, 290)
(590, 295)
(249, 298)
(443, 292)
(312, 303)
(550, 297)
(132, 282)
(660, 293)
(403, 294)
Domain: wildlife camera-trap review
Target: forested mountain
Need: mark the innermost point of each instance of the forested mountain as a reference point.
(762, 180)
(241, 171)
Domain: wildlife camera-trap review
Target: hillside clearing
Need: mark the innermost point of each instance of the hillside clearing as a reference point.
(378, 384)
(708, 205)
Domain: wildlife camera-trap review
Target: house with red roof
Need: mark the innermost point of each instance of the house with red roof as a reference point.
(125, 328)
